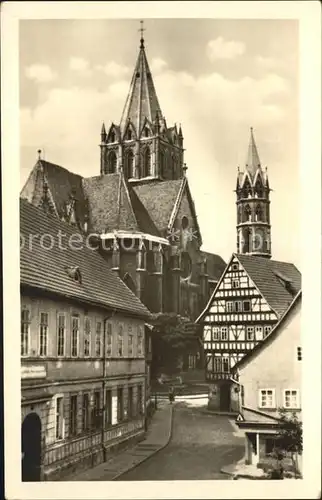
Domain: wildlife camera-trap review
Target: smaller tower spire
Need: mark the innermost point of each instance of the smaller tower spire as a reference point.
(39, 154)
(252, 161)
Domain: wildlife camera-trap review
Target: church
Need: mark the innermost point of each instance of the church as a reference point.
(138, 210)
(253, 293)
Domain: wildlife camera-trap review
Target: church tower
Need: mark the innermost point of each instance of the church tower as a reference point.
(253, 206)
(142, 144)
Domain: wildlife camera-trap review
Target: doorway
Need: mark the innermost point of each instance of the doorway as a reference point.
(31, 447)
(225, 397)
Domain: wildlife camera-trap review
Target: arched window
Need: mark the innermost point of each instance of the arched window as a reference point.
(129, 134)
(259, 189)
(259, 213)
(247, 214)
(246, 241)
(130, 165)
(146, 132)
(147, 163)
(112, 162)
(112, 136)
(240, 214)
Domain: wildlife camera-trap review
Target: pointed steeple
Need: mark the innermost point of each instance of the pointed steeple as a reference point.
(142, 101)
(252, 161)
(103, 132)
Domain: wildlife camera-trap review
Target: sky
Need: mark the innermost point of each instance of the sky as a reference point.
(217, 78)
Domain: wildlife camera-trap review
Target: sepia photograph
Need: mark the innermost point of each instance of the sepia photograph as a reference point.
(159, 196)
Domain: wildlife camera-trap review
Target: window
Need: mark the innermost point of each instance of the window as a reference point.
(108, 408)
(192, 361)
(75, 335)
(140, 341)
(291, 398)
(130, 342)
(130, 165)
(235, 284)
(108, 333)
(248, 214)
(140, 399)
(259, 214)
(85, 412)
(87, 336)
(217, 364)
(215, 333)
(229, 307)
(129, 134)
(224, 333)
(120, 404)
(98, 339)
(112, 137)
(43, 334)
(97, 409)
(112, 160)
(25, 322)
(61, 335)
(225, 365)
(250, 333)
(234, 267)
(59, 418)
(147, 164)
(267, 330)
(246, 305)
(237, 306)
(73, 416)
(258, 331)
(267, 398)
(130, 403)
(146, 132)
(299, 353)
(120, 341)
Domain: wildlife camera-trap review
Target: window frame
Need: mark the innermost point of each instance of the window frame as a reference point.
(120, 341)
(73, 422)
(229, 307)
(246, 302)
(43, 334)
(25, 335)
(130, 342)
(87, 420)
(266, 330)
(250, 329)
(59, 397)
(109, 339)
(140, 341)
(260, 401)
(98, 339)
(59, 336)
(74, 317)
(235, 283)
(215, 329)
(224, 330)
(87, 336)
(297, 404)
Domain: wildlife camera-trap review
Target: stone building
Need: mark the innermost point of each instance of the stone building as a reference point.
(83, 370)
(139, 205)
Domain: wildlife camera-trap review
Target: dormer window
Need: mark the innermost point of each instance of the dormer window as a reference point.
(74, 273)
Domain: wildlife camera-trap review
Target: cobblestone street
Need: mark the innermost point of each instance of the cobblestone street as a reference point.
(201, 445)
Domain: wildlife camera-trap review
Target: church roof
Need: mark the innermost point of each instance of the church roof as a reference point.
(142, 101)
(159, 198)
(266, 275)
(114, 205)
(252, 160)
(48, 268)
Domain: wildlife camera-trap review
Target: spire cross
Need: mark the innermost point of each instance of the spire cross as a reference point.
(142, 30)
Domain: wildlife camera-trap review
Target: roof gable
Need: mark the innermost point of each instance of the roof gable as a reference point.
(45, 266)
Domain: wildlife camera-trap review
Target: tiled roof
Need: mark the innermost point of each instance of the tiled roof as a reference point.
(158, 199)
(265, 274)
(267, 340)
(215, 265)
(254, 416)
(45, 269)
(113, 205)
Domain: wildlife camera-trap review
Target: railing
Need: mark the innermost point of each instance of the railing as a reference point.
(89, 443)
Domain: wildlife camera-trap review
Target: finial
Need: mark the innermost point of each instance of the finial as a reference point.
(39, 154)
(238, 169)
(142, 39)
(251, 129)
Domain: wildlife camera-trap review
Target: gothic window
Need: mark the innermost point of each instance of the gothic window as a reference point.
(246, 241)
(184, 222)
(129, 134)
(130, 165)
(147, 163)
(186, 265)
(259, 213)
(112, 137)
(146, 132)
(247, 214)
(259, 189)
(112, 162)
(240, 214)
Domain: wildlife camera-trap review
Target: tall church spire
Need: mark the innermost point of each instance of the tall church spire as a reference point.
(142, 101)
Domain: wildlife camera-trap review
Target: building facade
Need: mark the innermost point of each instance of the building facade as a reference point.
(83, 369)
(139, 208)
(270, 378)
(253, 292)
